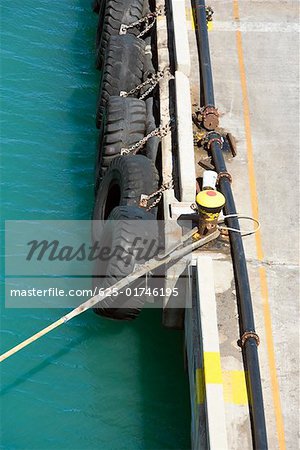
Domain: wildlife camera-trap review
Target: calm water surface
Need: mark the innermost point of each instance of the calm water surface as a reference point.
(92, 384)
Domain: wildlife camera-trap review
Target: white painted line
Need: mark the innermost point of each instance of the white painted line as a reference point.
(256, 27)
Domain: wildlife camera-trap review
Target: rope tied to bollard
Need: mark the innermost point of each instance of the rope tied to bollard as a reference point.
(173, 254)
(236, 230)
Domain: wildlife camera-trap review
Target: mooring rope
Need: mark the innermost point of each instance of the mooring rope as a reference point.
(174, 253)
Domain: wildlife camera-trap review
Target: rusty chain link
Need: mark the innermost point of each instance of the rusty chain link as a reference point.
(159, 193)
(153, 80)
(149, 21)
(161, 132)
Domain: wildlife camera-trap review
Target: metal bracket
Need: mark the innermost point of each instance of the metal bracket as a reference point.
(224, 175)
(123, 29)
(209, 13)
(248, 335)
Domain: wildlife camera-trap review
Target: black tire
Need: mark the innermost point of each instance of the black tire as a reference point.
(127, 178)
(121, 235)
(152, 144)
(116, 13)
(123, 69)
(123, 124)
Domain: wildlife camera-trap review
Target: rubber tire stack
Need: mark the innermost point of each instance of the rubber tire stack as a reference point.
(120, 180)
(116, 13)
(124, 124)
(127, 178)
(122, 71)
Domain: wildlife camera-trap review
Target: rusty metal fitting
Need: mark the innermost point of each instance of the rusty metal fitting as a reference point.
(210, 117)
(209, 13)
(197, 117)
(199, 136)
(248, 335)
(224, 233)
(206, 164)
(224, 175)
(205, 227)
(144, 201)
(197, 236)
(232, 144)
(210, 141)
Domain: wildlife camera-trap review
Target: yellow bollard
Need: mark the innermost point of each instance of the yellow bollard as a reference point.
(210, 203)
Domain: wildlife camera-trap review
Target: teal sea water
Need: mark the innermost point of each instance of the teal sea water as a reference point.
(93, 383)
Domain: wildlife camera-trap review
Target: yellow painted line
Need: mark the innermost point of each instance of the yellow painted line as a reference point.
(190, 17)
(259, 247)
(212, 368)
(235, 390)
(234, 387)
(210, 25)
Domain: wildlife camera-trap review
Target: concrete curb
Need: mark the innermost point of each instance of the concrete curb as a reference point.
(212, 372)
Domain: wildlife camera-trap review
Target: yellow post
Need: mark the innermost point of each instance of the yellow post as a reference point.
(210, 203)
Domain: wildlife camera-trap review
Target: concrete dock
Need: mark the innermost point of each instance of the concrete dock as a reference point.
(255, 58)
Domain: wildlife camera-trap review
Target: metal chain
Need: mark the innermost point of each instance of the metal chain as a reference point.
(147, 27)
(161, 132)
(146, 19)
(153, 80)
(145, 198)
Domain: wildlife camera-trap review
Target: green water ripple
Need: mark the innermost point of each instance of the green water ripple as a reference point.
(92, 384)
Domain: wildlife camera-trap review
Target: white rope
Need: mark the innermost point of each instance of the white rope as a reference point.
(236, 230)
